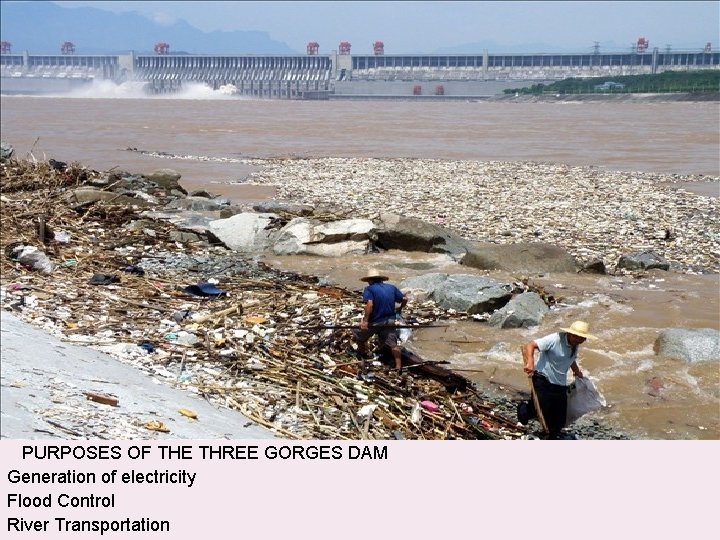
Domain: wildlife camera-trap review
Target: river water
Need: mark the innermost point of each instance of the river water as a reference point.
(648, 397)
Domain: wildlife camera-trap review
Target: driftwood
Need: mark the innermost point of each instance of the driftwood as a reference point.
(102, 398)
(261, 349)
(452, 381)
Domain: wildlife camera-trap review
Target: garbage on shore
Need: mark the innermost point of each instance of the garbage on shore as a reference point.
(201, 317)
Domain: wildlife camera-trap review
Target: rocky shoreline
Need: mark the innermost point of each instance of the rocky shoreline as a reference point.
(150, 240)
(590, 212)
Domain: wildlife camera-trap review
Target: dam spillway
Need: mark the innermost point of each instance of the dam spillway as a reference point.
(322, 76)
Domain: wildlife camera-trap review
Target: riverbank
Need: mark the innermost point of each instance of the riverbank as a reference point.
(232, 349)
(664, 97)
(591, 212)
(270, 299)
(49, 399)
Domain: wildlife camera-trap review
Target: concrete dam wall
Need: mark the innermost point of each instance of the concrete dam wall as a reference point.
(335, 75)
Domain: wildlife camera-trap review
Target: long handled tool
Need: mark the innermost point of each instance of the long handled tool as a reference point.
(427, 363)
(343, 326)
(536, 402)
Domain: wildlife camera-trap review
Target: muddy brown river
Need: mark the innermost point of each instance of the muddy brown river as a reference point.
(647, 396)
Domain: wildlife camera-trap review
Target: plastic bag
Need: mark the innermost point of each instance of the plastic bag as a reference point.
(32, 257)
(416, 414)
(403, 334)
(583, 397)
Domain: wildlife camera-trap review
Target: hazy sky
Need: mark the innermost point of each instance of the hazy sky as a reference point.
(426, 26)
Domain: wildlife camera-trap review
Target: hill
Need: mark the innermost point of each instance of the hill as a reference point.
(41, 27)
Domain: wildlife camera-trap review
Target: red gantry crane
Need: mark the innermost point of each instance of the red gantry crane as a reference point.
(162, 48)
(344, 47)
(642, 45)
(379, 48)
(313, 47)
(5, 47)
(67, 48)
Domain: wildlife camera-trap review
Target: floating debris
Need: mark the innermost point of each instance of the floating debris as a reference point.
(251, 348)
(590, 212)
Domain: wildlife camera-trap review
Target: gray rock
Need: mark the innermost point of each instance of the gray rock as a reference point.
(184, 237)
(144, 196)
(201, 193)
(643, 260)
(523, 311)
(325, 209)
(247, 232)
(190, 221)
(166, 178)
(327, 239)
(689, 344)
(595, 266)
(100, 182)
(461, 292)
(139, 225)
(125, 180)
(6, 151)
(283, 207)
(410, 234)
(423, 286)
(531, 258)
(82, 196)
(198, 204)
(230, 211)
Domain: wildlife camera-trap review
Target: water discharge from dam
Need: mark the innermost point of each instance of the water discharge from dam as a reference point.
(136, 90)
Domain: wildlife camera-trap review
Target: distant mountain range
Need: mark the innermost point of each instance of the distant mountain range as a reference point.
(42, 27)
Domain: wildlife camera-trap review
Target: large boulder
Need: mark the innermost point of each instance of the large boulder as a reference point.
(246, 232)
(643, 260)
(327, 239)
(524, 310)
(276, 206)
(461, 292)
(166, 178)
(410, 234)
(689, 344)
(530, 258)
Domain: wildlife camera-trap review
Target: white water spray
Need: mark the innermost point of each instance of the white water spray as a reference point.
(136, 90)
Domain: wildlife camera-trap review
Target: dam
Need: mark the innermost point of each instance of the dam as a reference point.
(337, 75)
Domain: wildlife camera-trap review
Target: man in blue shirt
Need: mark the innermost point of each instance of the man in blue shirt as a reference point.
(379, 315)
(548, 383)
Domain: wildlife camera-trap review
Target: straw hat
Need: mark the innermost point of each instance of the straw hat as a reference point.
(373, 274)
(579, 328)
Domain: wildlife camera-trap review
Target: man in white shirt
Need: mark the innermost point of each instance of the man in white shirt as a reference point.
(558, 353)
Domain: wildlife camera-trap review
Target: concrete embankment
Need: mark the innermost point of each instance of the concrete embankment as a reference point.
(44, 386)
